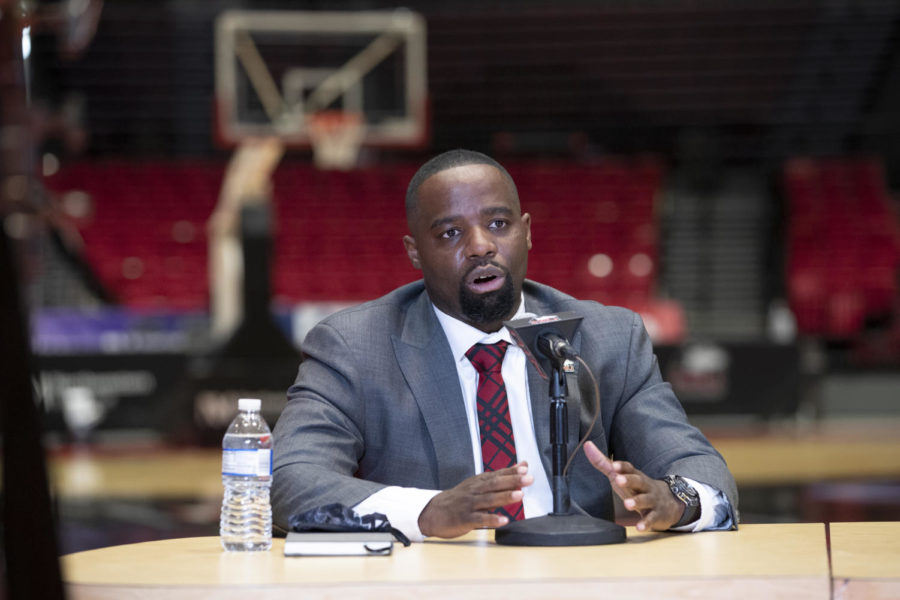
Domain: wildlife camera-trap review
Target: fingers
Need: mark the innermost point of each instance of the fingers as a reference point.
(644, 505)
(659, 509)
(488, 502)
(482, 516)
(640, 502)
(625, 479)
(598, 459)
(469, 505)
(651, 498)
(636, 490)
(512, 478)
(488, 520)
(603, 464)
(650, 522)
(481, 513)
(494, 489)
(631, 484)
(653, 520)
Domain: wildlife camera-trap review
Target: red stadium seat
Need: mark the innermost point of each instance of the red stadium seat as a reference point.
(337, 235)
(843, 245)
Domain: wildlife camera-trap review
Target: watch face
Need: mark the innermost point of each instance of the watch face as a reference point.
(682, 490)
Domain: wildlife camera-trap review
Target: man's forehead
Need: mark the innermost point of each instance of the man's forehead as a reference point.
(485, 180)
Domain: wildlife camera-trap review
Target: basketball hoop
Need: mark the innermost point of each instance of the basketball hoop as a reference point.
(336, 137)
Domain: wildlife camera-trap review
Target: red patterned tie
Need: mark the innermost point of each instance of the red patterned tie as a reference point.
(498, 446)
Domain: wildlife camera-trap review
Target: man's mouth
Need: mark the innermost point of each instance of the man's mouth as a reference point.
(485, 279)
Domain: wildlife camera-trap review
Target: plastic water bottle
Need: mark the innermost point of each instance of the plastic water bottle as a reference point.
(246, 521)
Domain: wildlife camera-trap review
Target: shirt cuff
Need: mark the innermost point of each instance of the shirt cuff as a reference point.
(401, 505)
(715, 513)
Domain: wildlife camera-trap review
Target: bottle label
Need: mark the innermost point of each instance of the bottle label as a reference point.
(253, 463)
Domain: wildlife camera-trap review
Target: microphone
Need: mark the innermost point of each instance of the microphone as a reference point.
(555, 346)
(546, 337)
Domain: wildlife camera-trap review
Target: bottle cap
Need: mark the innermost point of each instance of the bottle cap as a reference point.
(245, 404)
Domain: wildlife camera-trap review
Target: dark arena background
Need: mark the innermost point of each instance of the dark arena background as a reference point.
(186, 191)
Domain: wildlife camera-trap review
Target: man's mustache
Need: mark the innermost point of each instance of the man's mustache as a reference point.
(485, 263)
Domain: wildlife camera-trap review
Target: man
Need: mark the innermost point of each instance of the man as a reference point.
(384, 414)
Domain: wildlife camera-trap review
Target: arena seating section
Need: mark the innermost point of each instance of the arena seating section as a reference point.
(843, 246)
(595, 231)
(338, 234)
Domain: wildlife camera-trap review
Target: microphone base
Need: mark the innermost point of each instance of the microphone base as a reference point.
(560, 530)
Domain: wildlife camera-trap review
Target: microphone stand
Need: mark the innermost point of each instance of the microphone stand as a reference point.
(561, 527)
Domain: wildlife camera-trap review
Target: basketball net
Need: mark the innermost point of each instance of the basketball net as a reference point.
(336, 137)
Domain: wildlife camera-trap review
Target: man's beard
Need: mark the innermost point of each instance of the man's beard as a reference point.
(489, 307)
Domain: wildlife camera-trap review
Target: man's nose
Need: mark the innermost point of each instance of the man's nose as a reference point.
(480, 243)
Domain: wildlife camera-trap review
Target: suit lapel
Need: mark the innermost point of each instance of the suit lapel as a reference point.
(426, 361)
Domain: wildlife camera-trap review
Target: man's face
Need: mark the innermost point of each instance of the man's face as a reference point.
(471, 242)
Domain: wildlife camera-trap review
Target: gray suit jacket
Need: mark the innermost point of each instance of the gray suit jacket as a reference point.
(377, 402)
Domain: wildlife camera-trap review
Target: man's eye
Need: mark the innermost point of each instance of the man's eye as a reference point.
(498, 224)
(450, 233)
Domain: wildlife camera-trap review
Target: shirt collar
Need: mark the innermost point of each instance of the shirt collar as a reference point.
(463, 336)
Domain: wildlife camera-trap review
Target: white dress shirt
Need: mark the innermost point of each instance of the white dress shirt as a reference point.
(402, 506)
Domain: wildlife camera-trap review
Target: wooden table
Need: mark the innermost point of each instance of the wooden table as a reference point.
(758, 561)
(865, 560)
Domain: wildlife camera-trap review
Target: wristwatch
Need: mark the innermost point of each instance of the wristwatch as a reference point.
(687, 494)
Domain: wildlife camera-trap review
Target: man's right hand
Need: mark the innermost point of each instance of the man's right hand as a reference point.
(468, 506)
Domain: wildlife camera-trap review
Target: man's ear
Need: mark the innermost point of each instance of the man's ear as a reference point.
(412, 251)
(526, 220)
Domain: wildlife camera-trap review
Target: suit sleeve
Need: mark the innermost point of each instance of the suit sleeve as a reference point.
(320, 435)
(650, 428)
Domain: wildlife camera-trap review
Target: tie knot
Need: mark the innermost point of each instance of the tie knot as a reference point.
(487, 358)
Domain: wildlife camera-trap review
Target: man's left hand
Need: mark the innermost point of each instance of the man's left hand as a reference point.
(651, 498)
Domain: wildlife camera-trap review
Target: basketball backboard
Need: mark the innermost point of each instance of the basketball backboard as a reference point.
(276, 68)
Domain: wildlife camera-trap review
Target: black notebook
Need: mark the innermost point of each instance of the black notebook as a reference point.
(357, 543)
